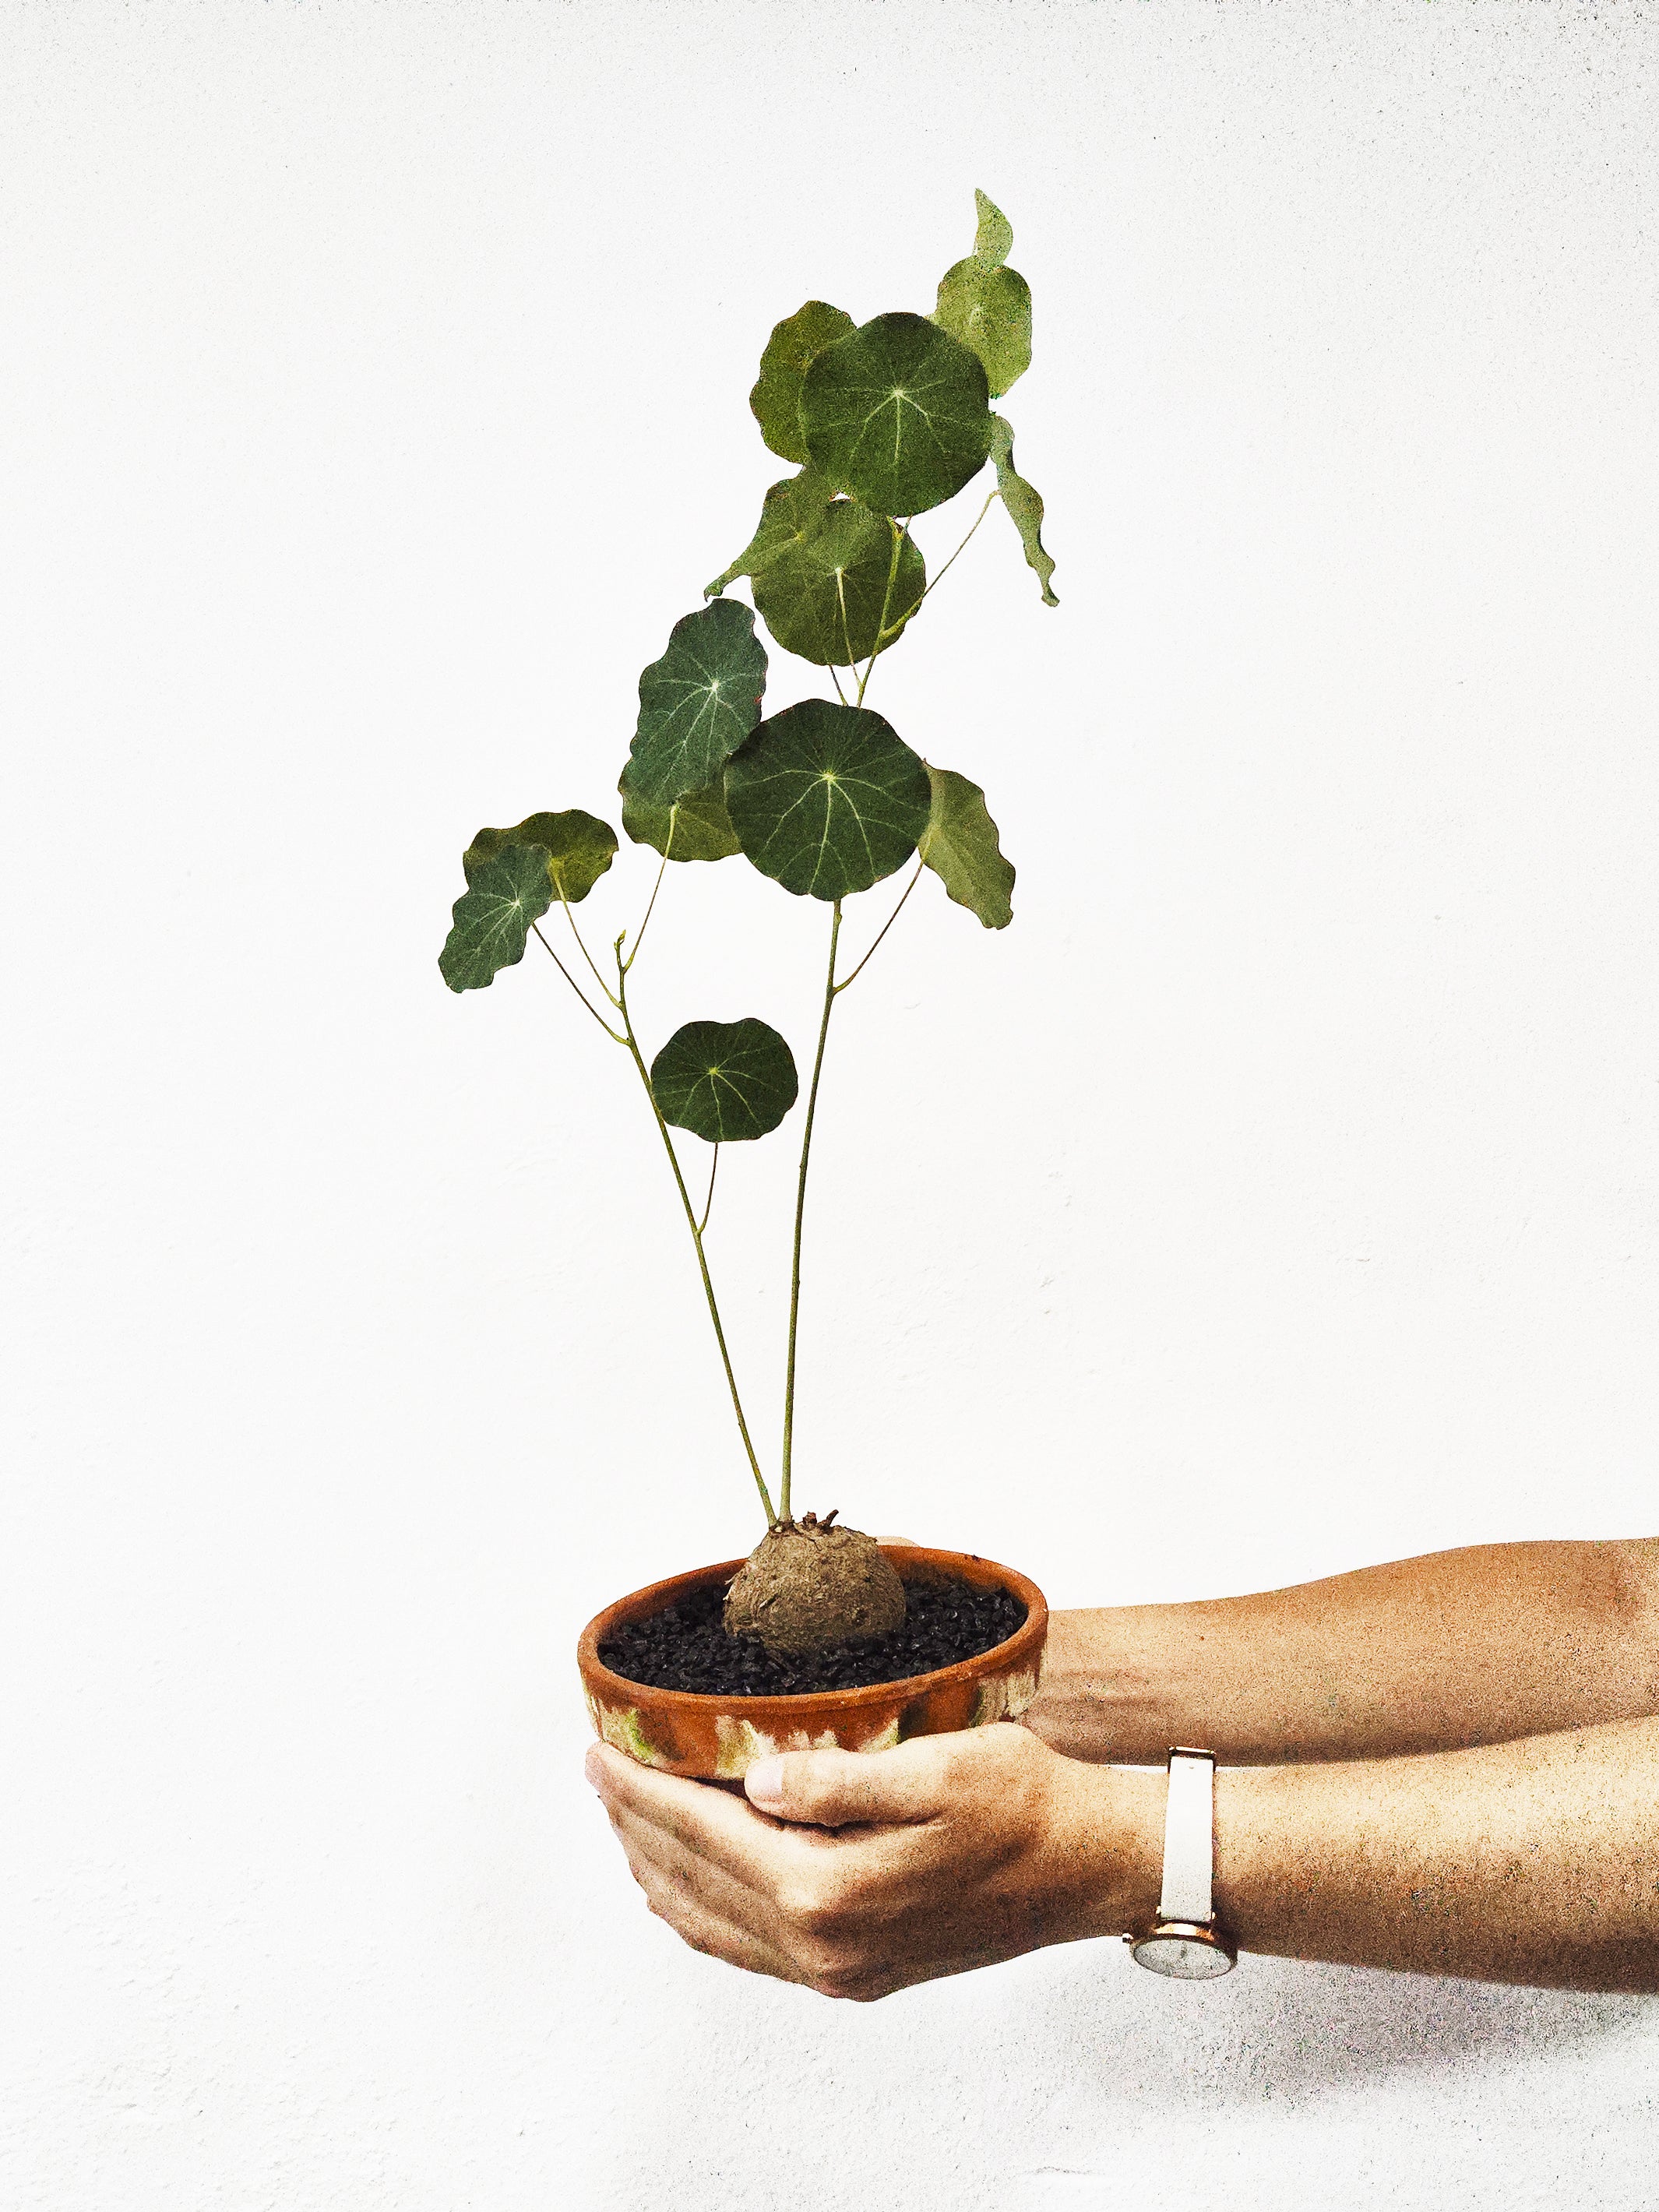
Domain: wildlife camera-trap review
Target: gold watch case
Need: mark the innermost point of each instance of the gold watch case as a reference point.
(1184, 1950)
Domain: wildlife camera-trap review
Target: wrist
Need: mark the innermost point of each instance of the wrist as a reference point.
(1112, 1687)
(1110, 1835)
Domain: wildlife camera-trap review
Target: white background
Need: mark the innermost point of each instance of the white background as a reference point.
(1280, 1193)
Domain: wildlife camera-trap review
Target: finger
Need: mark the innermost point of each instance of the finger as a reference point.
(715, 1824)
(815, 1930)
(896, 1539)
(705, 1928)
(744, 1903)
(835, 1789)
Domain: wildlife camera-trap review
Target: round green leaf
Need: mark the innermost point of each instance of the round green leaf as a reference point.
(492, 920)
(697, 703)
(989, 310)
(694, 827)
(960, 846)
(775, 400)
(579, 847)
(725, 1081)
(827, 799)
(898, 414)
(824, 598)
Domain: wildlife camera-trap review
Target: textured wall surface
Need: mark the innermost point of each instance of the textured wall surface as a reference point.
(373, 401)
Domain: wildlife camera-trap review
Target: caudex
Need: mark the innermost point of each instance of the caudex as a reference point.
(885, 420)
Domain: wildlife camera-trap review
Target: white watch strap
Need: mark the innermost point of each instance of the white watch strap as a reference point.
(1189, 1839)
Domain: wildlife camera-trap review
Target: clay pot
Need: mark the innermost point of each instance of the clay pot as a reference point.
(720, 1738)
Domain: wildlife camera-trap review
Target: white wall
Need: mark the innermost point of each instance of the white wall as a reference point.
(373, 401)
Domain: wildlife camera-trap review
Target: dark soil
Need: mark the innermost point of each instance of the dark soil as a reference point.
(686, 1647)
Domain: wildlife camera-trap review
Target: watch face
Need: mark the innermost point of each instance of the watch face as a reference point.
(1182, 1958)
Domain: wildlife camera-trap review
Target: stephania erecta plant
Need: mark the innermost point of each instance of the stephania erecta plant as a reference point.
(882, 421)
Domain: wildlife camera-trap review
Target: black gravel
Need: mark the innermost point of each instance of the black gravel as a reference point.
(686, 1647)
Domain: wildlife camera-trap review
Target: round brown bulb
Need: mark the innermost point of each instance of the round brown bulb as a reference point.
(808, 1584)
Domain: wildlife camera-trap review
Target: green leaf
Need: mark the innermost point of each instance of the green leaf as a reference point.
(492, 919)
(697, 703)
(791, 512)
(824, 598)
(579, 847)
(792, 346)
(987, 306)
(1024, 503)
(694, 827)
(819, 566)
(994, 240)
(990, 311)
(726, 1082)
(897, 413)
(960, 846)
(827, 799)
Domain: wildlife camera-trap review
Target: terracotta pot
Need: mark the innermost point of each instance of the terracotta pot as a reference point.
(719, 1738)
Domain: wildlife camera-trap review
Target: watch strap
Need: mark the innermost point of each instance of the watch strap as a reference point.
(1189, 1839)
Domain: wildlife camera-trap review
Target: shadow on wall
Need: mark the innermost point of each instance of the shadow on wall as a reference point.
(1277, 2031)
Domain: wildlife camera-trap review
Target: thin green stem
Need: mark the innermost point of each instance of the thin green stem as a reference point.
(801, 1211)
(834, 677)
(578, 989)
(708, 1203)
(846, 628)
(650, 906)
(587, 954)
(899, 532)
(693, 1225)
(882, 932)
(962, 548)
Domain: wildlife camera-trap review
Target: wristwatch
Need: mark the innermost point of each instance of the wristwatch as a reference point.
(1184, 1942)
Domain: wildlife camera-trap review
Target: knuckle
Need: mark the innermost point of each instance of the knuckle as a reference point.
(849, 1979)
(1004, 1743)
(798, 1907)
(839, 1964)
(1025, 1748)
(817, 1906)
(957, 1754)
(942, 1754)
(811, 1792)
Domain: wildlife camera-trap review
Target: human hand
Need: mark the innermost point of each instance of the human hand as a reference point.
(859, 1873)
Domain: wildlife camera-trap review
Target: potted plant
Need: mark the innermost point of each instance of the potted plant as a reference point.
(822, 1636)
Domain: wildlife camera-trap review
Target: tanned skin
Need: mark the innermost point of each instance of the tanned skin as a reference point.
(1444, 1765)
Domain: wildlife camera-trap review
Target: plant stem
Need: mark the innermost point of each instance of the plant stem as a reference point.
(899, 532)
(708, 1203)
(585, 954)
(800, 1209)
(882, 932)
(578, 989)
(845, 632)
(692, 1224)
(962, 548)
(651, 907)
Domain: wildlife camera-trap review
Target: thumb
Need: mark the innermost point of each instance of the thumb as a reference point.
(836, 1788)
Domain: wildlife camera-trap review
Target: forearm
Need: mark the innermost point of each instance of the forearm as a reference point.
(1535, 1862)
(1460, 1647)
(859, 1873)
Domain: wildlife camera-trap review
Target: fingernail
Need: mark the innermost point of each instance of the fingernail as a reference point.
(592, 1767)
(764, 1781)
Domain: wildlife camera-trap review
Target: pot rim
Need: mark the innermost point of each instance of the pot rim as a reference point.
(655, 1596)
